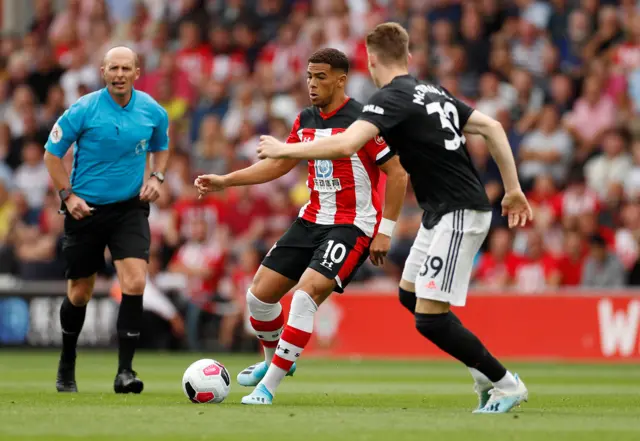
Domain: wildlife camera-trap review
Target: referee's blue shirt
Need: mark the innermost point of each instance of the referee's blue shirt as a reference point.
(111, 144)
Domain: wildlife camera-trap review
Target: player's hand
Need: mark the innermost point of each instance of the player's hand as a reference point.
(208, 183)
(379, 248)
(151, 190)
(270, 147)
(517, 208)
(77, 207)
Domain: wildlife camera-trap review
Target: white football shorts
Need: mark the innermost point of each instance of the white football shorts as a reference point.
(441, 259)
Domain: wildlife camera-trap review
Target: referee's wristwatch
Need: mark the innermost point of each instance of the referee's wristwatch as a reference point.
(64, 194)
(158, 175)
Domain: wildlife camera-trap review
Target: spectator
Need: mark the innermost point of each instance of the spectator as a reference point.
(571, 262)
(546, 150)
(247, 106)
(193, 57)
(22, 103)
(46, 75)
(602, 269)
(476, 46)
(561, 93)
(528, 100)
(54, 106)
(175, 105)
(7, 213)
(491, 99)
(627, 237)
(492, 270)
(528, 48)
(572, 45)
(202, 261)
(32, 177)
(211, 152)
(612, 166)
(31, 132)
(214, 102)
(536, 270)
(39, 250)
(632, 181)
(593, 113)
(79, 72)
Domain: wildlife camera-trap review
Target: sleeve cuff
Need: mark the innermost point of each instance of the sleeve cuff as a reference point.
(384, 155)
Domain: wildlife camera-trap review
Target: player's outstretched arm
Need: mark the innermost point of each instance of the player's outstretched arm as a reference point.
(514, 203)
(259, 173)
(338, 146)
(395, 190)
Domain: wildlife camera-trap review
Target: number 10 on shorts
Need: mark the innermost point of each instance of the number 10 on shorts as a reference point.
(336, 252)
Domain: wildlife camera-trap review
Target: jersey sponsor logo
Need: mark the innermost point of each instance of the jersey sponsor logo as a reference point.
(141, 147)
(421, 90)
(373, 109)
(324, 182)
(379, 140)
(324, 168)
(56, 133)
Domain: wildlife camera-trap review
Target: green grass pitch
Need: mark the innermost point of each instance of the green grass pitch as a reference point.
(326, 400)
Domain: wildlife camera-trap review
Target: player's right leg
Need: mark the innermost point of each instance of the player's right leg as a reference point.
(83, 249)
(267, 319)
(72, 314)
(280, 270)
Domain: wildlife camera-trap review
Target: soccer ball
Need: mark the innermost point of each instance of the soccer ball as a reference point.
(206, 381)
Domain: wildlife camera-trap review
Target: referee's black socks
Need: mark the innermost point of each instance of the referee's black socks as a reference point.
(71, 321)
(448, 333)
(128, 326)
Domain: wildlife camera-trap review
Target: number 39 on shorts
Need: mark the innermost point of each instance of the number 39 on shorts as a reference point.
(431, 267)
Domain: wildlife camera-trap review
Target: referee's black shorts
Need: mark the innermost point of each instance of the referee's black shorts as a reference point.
(122, 226)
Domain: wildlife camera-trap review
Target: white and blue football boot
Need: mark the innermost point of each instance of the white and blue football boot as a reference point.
(252, 375)
(260, 396)
(483, 393)
(502, 401)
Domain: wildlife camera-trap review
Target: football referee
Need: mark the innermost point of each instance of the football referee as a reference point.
(106, 203)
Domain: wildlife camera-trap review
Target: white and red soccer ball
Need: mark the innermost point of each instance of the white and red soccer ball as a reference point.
(206, 381)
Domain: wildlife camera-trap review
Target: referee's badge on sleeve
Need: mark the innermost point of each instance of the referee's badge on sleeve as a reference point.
(56, 133)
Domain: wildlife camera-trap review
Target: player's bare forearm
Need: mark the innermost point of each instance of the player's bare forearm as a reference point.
(263, 171)
(159, 161)
(498, 144)
(56, 170)
(395, 188)
(334, 147)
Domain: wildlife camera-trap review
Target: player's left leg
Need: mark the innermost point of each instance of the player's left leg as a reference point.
(407, 296)
(443, 281)
(132, 275)
(129, 243)
(335, 262)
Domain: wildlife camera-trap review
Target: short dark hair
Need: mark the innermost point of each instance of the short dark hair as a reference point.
(390, 42)
(333, 57)
(598, 241)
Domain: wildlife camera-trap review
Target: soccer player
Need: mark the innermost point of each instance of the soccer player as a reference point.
(332, 237)
(426, 126)
(106, 203)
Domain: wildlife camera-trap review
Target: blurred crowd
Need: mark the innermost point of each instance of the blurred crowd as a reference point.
(562, 76)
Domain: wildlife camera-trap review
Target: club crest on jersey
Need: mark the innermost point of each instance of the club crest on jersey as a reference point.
(56, 133)
(141, 147)
(324, 182)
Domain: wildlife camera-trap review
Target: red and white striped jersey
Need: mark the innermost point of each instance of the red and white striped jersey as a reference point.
(343, 191)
